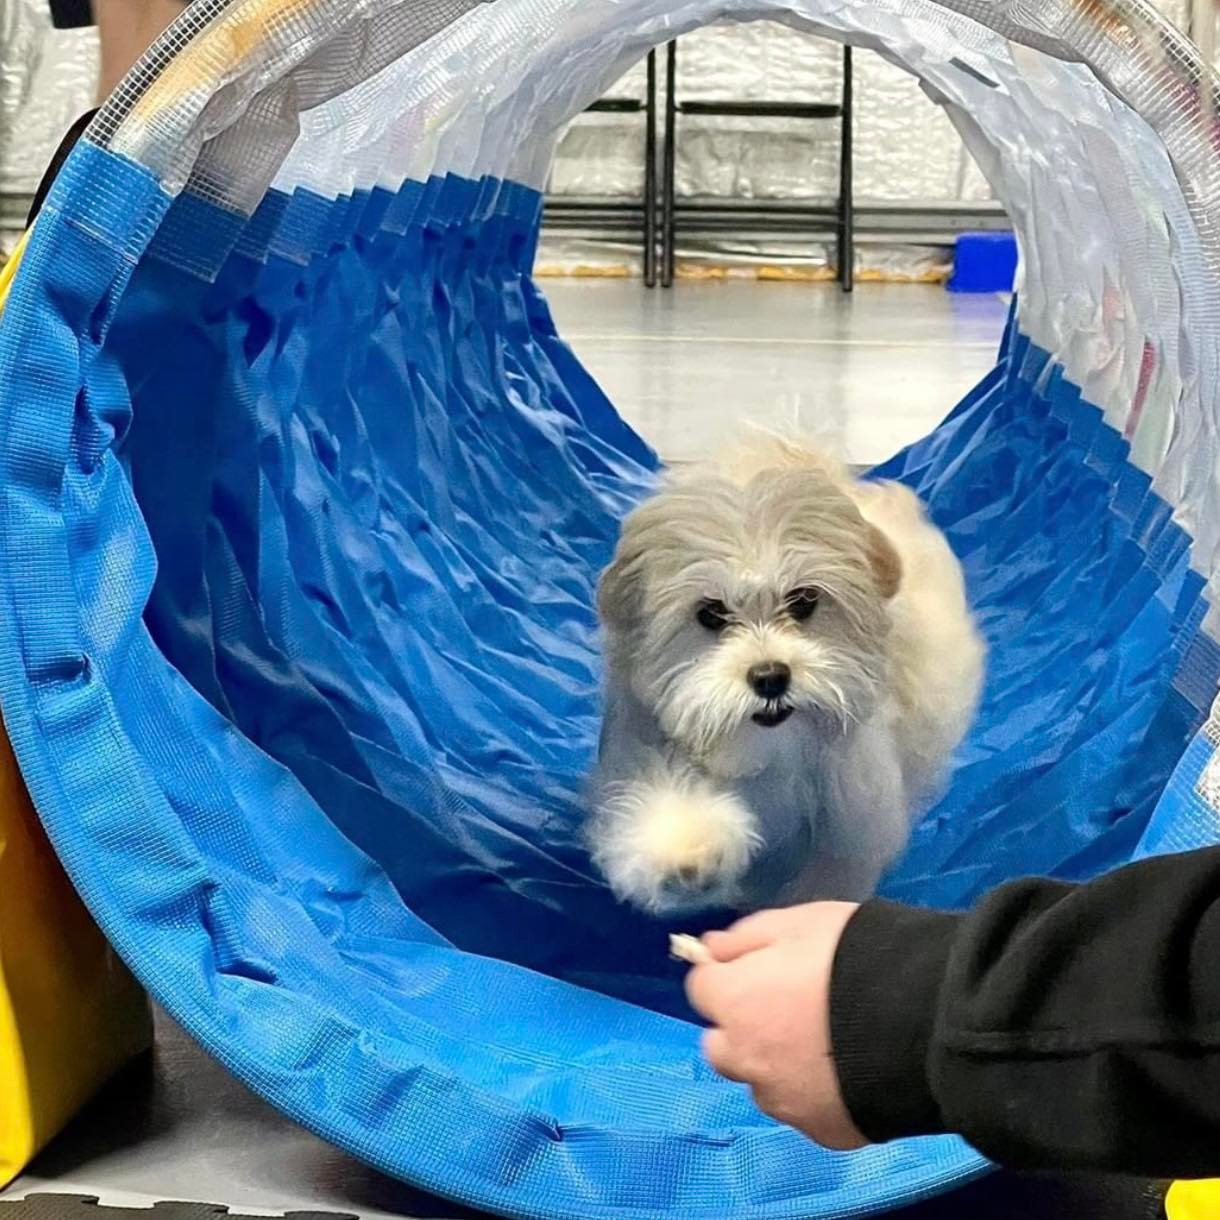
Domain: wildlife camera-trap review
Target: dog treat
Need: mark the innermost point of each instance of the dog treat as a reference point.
(687, 948)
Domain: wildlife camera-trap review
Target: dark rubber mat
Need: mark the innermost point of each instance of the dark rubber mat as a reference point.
(82, 1207)
(1001, 1197)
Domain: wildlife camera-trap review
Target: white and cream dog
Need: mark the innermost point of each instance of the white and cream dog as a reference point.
(791, 661)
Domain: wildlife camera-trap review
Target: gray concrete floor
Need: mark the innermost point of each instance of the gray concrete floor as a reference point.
(871, 371)
(867, 372)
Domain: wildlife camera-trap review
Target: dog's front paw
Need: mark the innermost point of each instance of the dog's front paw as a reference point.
(674, 846)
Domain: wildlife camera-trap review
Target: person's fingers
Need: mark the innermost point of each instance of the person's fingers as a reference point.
(724, 946)
(768, 1099)
(751, 933)
(706, 991)
(719, 1053)
(840, 1138)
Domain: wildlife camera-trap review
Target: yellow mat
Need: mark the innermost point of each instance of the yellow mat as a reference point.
(1193, 1201)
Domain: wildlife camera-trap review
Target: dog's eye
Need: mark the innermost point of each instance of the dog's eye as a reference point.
(802, 603)
(713, 615)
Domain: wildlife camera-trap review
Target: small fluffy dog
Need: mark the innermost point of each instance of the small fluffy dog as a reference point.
(791, 661)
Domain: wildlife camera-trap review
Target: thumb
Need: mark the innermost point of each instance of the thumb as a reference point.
(750, 934)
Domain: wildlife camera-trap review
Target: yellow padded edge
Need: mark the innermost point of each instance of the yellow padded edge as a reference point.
(10, 267)
(70, 1014)
(1193, 1201)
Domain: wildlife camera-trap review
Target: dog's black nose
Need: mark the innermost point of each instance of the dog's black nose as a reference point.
(769, 679)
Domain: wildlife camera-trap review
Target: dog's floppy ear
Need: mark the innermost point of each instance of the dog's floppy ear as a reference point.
(885, 562)
(620, 591)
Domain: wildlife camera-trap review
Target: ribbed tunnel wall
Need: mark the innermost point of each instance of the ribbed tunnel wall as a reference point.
(304, 503)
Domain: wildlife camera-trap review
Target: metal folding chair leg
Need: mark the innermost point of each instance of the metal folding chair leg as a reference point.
(846, 234)
(650, 175)
(668, 188)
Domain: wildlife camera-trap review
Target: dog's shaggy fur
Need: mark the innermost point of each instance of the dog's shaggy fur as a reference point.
(791, 662)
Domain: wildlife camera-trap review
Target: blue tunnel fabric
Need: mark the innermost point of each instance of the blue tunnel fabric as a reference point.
(299, 659)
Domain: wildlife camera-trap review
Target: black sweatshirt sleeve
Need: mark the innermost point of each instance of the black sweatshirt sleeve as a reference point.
(1053, 1026)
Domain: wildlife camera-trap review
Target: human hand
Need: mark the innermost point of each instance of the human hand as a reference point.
(767, 993)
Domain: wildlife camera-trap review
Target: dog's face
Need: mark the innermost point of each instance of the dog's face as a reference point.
(744, 615)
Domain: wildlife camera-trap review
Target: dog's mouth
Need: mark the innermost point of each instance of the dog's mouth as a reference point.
(773, 714)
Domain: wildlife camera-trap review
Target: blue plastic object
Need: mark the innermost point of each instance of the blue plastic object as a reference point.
(298, 654)
(984, 262)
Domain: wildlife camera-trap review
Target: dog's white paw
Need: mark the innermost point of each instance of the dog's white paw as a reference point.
(674, 845)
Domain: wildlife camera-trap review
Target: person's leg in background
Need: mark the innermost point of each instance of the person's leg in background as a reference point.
(126, 29)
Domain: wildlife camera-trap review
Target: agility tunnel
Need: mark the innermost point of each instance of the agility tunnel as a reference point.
(304, 501)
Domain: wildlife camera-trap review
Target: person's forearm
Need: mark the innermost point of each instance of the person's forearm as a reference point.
(1052, 1026)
